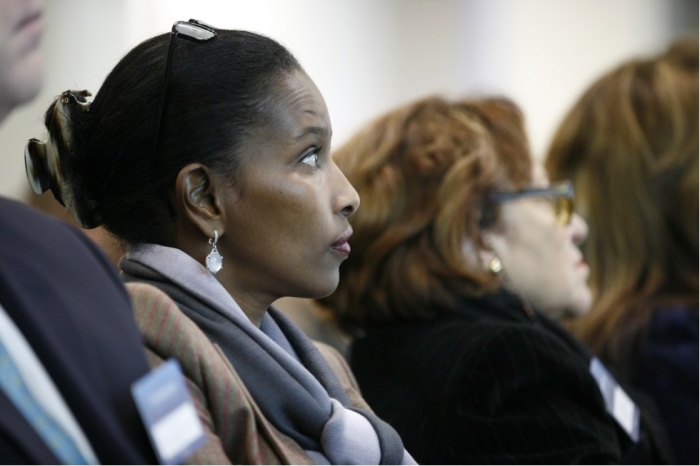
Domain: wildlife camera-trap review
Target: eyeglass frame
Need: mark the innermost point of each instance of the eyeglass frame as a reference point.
(195, 31)
(559, 191)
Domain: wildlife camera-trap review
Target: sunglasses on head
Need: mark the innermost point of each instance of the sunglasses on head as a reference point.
(193, 30)
(561, 195)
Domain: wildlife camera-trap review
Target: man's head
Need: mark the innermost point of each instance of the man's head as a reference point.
(21, 27)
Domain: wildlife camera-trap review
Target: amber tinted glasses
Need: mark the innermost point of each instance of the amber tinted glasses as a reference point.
(561, 195)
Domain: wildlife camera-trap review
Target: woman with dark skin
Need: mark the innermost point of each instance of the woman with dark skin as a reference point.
(207, 151)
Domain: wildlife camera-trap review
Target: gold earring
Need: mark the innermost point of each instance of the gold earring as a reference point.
(495, 265)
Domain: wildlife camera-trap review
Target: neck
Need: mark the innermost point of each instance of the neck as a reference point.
(245, 290)
(254, 307)
(254, 311)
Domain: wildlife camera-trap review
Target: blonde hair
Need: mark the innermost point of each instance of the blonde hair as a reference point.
(630, 146)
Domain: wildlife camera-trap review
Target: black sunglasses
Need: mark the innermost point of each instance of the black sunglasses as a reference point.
(193, 30)
(561, 195)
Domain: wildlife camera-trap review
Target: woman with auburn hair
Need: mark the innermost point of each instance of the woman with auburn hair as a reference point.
(459, 244)
(630, 146)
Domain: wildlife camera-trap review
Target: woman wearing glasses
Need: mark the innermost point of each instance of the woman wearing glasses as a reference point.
(207, 151)
(460, 243)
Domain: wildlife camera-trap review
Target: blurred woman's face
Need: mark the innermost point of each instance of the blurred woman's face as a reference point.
(541, 257)
(21, 27)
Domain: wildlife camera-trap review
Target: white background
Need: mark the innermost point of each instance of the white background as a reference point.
(367, 56)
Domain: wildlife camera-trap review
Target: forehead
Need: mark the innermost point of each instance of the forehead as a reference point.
(298, 105)
(296, 118)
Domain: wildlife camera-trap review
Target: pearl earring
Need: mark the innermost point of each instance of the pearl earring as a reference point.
(214, 261)
(495, 265)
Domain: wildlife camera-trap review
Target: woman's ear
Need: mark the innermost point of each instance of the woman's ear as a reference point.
(486, 252)
(495, 247)
(199, 198)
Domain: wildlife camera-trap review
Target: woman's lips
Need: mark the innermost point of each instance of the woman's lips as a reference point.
(342, 245)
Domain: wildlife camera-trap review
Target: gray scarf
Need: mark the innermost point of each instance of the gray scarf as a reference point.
(287, 376)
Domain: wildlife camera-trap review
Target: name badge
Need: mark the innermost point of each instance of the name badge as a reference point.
(168, 413)
(617, 402)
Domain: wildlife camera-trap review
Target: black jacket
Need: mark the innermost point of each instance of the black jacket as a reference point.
(491, 384)
(69, 303)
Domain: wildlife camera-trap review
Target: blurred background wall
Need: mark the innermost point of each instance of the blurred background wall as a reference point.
(367, 56)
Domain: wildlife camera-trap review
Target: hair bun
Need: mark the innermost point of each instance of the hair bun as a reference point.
(36, 165)
(45, 163)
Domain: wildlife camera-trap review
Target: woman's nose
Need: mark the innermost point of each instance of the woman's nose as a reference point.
(578, 228)
(347, 200)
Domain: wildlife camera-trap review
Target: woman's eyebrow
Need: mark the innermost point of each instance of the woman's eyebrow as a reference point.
(316, 130)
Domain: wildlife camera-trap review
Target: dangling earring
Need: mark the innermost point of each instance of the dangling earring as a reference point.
(495, 265)
(214, 260)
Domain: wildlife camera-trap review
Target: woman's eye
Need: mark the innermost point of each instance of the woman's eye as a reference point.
(311, 159)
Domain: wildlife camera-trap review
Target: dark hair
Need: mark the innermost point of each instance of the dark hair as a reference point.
(218, 93)
(424, 172)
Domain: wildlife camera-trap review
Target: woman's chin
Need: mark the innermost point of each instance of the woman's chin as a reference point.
(582, 305)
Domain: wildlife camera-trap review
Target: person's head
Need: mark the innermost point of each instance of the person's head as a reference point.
(431, 223)
(234, 137)
(630, 146)
(21, 61)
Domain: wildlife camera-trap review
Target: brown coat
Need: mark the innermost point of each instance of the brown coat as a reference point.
(236, 429)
